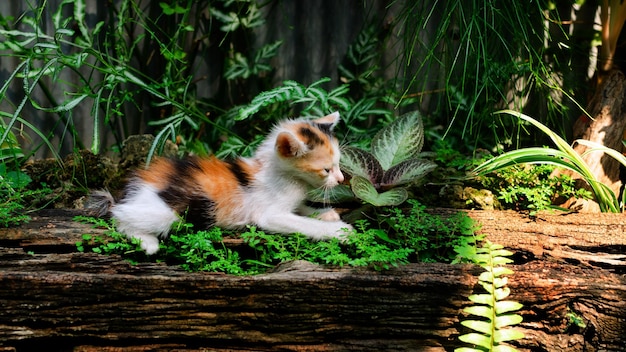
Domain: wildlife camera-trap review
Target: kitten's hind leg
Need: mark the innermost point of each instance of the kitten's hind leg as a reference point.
(144, 215)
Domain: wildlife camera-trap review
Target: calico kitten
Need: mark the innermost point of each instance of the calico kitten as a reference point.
(267, 190)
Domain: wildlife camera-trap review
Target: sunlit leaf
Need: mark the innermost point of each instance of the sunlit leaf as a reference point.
(476, 339)
(399, 141)
(507, 320)
(479, 325)
(481, 311)
(408, 171)
(507, 335)
(507, 306)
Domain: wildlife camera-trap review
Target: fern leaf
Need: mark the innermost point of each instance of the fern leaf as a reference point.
(483, 298)
(507, 320)
(481, 311)
(478, 325)
(503, 348)
(507, 306)
(477, 339)
(507, 335)
(501, 293)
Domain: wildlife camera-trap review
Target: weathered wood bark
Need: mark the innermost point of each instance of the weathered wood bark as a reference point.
(606, 128)
(54, 296)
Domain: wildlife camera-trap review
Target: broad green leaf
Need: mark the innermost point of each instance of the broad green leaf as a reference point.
(358, 162)
(479, 325)
(476, 339)
(507, 306)
(365, 191)
(507, 320)
(481, 311)
(337, 194)
(500, 281)
(501, 260)
(507, 335)
(399, 141)
(408, 171)
(486, 276)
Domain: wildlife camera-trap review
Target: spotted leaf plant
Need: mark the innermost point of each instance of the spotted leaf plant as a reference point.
(381, 176)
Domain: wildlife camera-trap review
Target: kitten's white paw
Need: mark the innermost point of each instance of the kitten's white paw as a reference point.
(329, 215)
(343, 231)
(149, 243)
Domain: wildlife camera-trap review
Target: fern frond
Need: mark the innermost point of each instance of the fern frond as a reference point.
(496, 314)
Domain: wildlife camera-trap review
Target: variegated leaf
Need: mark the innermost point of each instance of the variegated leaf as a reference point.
(358, 162)
(365, 191)
(408, 171)
(399, 141)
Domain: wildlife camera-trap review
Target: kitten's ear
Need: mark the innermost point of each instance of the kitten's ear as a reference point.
(328, 122)
(287, 145)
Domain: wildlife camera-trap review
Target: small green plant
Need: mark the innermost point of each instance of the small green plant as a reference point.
(532, 187)
(494, 328)
(401, 238)
(565, 156)
(16, 197)
(379, 176)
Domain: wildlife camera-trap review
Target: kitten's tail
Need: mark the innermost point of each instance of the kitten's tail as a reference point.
(100, 202)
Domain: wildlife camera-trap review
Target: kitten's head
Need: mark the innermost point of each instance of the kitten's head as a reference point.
(309, 151)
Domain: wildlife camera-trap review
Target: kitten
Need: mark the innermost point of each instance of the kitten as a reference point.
(267, 190)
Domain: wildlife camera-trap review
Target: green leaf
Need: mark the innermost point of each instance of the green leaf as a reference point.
(482, 298)
(365, 191)
(358, 162)
(507, 320)
(407, 171)
(507, 335)
(502, 293)
(479, 325)
(481, 311)
(476, 339)
(507, 306)
(503, 348)
(399, 141)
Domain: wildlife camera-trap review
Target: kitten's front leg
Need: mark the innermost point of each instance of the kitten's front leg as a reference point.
(325, 214)
(313, 228)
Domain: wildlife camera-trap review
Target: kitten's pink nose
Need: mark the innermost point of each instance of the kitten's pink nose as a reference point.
(339, 176)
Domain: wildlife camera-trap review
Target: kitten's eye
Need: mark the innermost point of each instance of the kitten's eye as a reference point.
(327, 170)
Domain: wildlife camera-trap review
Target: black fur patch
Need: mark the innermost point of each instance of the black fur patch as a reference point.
(327, 128)
(311, 138)
(243, 178)
(183, 195)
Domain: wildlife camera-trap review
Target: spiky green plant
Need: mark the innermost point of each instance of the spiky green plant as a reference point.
(494, 312)
(565, 156)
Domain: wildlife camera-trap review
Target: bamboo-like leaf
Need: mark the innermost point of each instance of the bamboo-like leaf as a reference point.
(596, 147)
(479, 325)
(399, 141)
(365, 191)
(477, 339)
(408, 171)
(358, 162)
(507, 306)
(507, 320)
(507, 335)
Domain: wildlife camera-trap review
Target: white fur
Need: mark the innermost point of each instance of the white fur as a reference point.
(144, 215)
(271, 202)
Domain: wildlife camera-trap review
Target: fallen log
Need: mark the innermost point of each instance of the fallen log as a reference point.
(66, 300)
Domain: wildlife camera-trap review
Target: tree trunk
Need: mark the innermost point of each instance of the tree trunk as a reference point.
(607, 107)
(567, 267)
